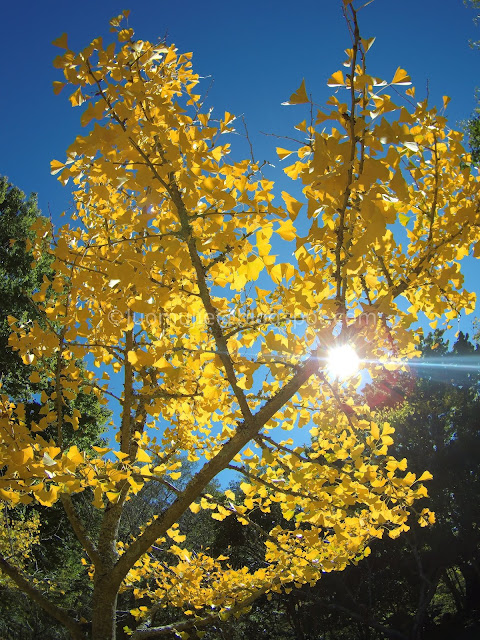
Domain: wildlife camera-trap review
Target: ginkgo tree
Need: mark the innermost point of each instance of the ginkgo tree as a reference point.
(186, 286)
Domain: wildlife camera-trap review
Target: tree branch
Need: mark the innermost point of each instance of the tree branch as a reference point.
(273, 487)
(144, 631)
(52, 609)
(79, 529)
(245, 432)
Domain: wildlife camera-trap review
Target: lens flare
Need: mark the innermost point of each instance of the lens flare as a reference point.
(343, 362)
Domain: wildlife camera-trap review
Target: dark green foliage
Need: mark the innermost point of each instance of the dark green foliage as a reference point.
(55, 560)
(473, 136)
(18, 279)
(472, 127)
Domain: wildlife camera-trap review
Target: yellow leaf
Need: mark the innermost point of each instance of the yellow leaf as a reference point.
(228, 117)
(55, 167)
(124, 35)
(375, 431)
(195, 508)
(132, 357)
(426, 475)
(263, 246)
(300, 95)
(58, 86)
(367, 43)
(283, 153)
(217, 154)
(171, 56)
(61, 42)
(292, 205)
(97, 498)
(120, 455)
(142, 456)
(336, 80)
(276, 273)
(87, 115)
(22, 456)
(287, 230)
(116, 20)
(371, 281)
(245, 382)
(246, 488)
(74, 455)
(77, 98)
(101, 450)
(401, 77)
(47, 498)
(9, 496)
(387, 429)
(209, 184)
(253, 268)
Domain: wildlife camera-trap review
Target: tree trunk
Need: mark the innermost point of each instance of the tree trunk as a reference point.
(105, 590)
(104, 610)
(472, 586)
(453, 588)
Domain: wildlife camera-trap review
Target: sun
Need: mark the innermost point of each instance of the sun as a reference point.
(343, 362)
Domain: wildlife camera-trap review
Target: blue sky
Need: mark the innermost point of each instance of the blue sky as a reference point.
(256, 54)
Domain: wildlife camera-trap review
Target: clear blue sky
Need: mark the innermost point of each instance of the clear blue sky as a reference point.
(256, 52)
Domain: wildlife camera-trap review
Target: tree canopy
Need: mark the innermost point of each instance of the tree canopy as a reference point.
(18, 279)
(206, 310)
(472, 128)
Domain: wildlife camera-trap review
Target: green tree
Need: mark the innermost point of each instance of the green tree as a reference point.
(472, 128)
(473, 133)
(58, 565)
(20, 276)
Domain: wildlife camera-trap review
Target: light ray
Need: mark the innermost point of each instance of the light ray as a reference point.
(343, 362)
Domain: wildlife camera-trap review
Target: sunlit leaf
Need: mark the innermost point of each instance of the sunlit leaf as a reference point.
(401, 77)
(300, 96)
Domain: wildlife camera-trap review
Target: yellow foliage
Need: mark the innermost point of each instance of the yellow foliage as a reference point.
(154, 284)
(17, 537)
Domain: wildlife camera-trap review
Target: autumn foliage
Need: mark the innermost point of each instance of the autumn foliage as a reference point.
(204, 316)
